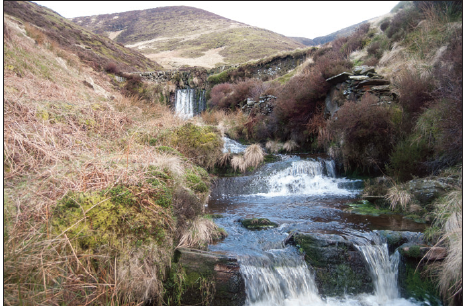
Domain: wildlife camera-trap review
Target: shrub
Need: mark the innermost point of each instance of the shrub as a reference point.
(219, 94)
(403, 22)
(111, 67)
(364, 132)
(375, 49)
(385, 25)
(414, 95)
(408, 159)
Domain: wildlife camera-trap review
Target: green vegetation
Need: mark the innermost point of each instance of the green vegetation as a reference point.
(258, 223)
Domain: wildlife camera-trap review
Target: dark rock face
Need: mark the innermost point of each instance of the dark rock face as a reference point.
(425, 190)
(338, 266)
(222, 270)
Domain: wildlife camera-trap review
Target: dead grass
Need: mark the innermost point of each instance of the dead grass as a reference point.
(253, 155)
(290, 146)
(201, 232)
(238, 162)
(398, 196)
(62, 136)
(273, 146)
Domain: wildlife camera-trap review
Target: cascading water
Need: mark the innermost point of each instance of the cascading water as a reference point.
(232, 146)
(278, 277)
(189, 102)
(383, 269)
(301, 195)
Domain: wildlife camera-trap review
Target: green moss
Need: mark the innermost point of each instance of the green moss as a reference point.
(365, 207)
(111, 218)
(195, 182)
(421, 288)
(201, 143)
(219, 78)
(258, 223)
(166, 149)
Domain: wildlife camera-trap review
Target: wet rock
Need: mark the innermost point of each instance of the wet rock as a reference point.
(338, 266)
(222, 270)
(397, 238)
(426, 190)
(423, 252)
(258, 223)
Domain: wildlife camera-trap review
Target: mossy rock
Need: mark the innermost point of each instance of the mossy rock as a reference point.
(365, 207)
(258, 223)
(117, 218)
(339, 268)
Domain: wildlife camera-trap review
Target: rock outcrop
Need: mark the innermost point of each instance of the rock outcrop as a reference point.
(353, 85)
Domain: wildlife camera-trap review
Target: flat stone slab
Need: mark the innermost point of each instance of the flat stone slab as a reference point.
(373, 82)
(342, 77)
(363, 69)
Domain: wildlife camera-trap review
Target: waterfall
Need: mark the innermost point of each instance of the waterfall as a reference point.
(278, 277)
(306, 177)
(189, 102)
(383, 269)
(232, 146)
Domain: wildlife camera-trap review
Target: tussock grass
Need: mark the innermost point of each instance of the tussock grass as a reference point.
(274, 146)
(238, 162)
(397, 196)
(201, 232)
(290, 145)
(253, 155)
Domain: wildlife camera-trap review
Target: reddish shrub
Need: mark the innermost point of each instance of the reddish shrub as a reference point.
(111, 67)
(297, 100)
(218, 94)
(414, 95)
(364, 132)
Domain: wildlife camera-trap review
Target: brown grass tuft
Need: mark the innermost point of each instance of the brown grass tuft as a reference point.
(201, 232)
(253, 155)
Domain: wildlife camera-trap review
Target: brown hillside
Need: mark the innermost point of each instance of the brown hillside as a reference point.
(182, 35)
(95, 49)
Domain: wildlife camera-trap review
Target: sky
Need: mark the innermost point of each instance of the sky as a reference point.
(307, 19)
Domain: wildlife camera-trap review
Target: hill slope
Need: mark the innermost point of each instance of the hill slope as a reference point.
(182, 35)
(95, 49)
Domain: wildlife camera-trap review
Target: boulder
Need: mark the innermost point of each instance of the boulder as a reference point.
(426, 190)
(258, 223)
(338, 266)
(223, 270)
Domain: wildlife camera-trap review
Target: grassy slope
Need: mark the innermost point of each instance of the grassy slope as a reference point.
(191, 31)
(71, 140)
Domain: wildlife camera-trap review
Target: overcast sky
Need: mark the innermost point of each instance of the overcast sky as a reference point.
(308, 19)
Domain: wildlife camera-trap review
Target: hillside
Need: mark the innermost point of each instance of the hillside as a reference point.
(181, 35)
(95, 49)
(101, 180)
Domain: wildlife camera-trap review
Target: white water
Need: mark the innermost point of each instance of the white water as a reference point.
(306, 177)
(282, 278)
(232, 146)
(189, 102)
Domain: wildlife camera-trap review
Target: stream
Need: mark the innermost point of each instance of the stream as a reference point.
(301, 193)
